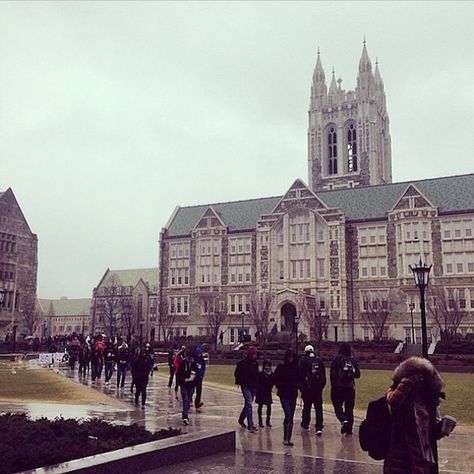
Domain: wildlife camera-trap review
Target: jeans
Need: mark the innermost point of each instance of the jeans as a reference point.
(289, 406)
(249, 395)
(141, 389)
(343, 399)
(310, 399)
(109, 370)
(170, 381)
(96, 370)
(186, 394)
(121, 374)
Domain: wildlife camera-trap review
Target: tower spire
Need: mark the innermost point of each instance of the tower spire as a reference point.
(364, 63)
(333, 86)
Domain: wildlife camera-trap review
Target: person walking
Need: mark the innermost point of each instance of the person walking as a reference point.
(286, 381)
(201, 370)
(84, 359)
(414, 400)
(186, 377)
(142, 373)
(344, 371)
(312, 380)
(179, 357)
(97, 359)
(123, 361)
(264, 393)
(171, 355)
(246, 375)
(110, 356)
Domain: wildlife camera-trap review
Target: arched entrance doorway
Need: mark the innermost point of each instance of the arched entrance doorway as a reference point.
(288, 313)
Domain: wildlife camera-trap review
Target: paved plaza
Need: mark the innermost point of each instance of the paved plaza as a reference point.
(261, 452)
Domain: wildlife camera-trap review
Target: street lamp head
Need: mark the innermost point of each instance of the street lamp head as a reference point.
(411, 306)
(2, 296)
(421, 273)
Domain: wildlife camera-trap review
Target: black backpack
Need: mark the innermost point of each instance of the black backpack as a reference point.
(346, 373)
(376, 429)
(315, 373)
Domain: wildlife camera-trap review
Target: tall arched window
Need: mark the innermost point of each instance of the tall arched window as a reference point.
(351, 148)
(332, 150)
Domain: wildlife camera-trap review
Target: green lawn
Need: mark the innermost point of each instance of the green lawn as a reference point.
(42, 385)
(374, 383)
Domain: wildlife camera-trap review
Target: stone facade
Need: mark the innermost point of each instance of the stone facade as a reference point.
(337, 251)
(18, 268)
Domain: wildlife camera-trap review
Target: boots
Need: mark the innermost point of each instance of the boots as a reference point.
(260, 421)
(269, 414)
(287, 432)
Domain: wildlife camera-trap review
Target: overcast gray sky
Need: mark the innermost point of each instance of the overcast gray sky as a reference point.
(111, 114)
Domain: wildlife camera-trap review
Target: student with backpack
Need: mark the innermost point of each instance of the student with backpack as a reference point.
(344, 371)
(312, 380)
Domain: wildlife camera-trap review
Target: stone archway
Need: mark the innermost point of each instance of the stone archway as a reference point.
(288, 313)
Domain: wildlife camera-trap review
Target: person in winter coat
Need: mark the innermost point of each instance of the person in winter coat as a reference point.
(123, 361)
(246, 375)
(84, 359)
(201, 370)
(414, 400)
(286, 381)
(142, 373)
(186, 375)
(178, 358)
(344, 371)
(97, 359)
(171, 355)
(109, 360)
(312, 380)
(264, 392)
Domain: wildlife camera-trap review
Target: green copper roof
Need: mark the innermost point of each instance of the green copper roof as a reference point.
(131, 277)
(448, 194)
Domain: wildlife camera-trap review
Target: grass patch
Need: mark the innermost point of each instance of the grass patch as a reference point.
(28, 444)
(17, 383)
(374, 383)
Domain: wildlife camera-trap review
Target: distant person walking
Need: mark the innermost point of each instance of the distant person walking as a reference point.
(200, 372)
(344, 371)
(246, 375)
(109, 360)
(264, 393)
(186, 375)
(171, 355)
(286, 381)
(142, 373)
(97, 359)
(414, 400)
(123, 361)
(312, 380)
(84, 359)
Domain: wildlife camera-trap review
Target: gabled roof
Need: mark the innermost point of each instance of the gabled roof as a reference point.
(448, 194)
(66, 306)
(131, 277)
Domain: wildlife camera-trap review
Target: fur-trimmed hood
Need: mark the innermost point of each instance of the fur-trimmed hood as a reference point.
(417, 365)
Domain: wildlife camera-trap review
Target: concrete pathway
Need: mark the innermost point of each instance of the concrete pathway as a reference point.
(260, 452)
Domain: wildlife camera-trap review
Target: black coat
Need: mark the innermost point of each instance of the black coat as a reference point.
(286, 381)
(187, 373)
(246, 373)
(264, 388)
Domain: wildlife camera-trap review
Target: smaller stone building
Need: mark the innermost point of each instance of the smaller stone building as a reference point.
(64, 316)
(125, 302)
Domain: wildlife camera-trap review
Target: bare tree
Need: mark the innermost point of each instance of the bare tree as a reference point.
(32, 320)
(375, 315)
(215, 312)
(317, 318)
(260, 305)
(448, 309)
(166, 320)
(109, 306)
(129, 317)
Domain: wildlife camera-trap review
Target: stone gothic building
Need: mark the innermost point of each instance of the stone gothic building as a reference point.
(18, 269)
(337, 251)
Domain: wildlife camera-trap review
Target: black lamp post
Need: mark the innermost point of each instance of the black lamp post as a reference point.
(2, 297)
(421, 272)
(297, 322)
(242, 315)
(412, 307)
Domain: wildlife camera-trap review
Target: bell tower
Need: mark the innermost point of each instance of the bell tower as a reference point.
(348, 134)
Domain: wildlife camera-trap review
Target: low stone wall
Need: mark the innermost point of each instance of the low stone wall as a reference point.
(148, 456)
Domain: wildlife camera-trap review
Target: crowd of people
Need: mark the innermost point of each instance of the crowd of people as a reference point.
(414, 396)
(306, 375)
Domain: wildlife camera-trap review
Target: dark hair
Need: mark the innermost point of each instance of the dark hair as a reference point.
(345, 349)
(267, 362)
(289, 353)
(189, 354)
